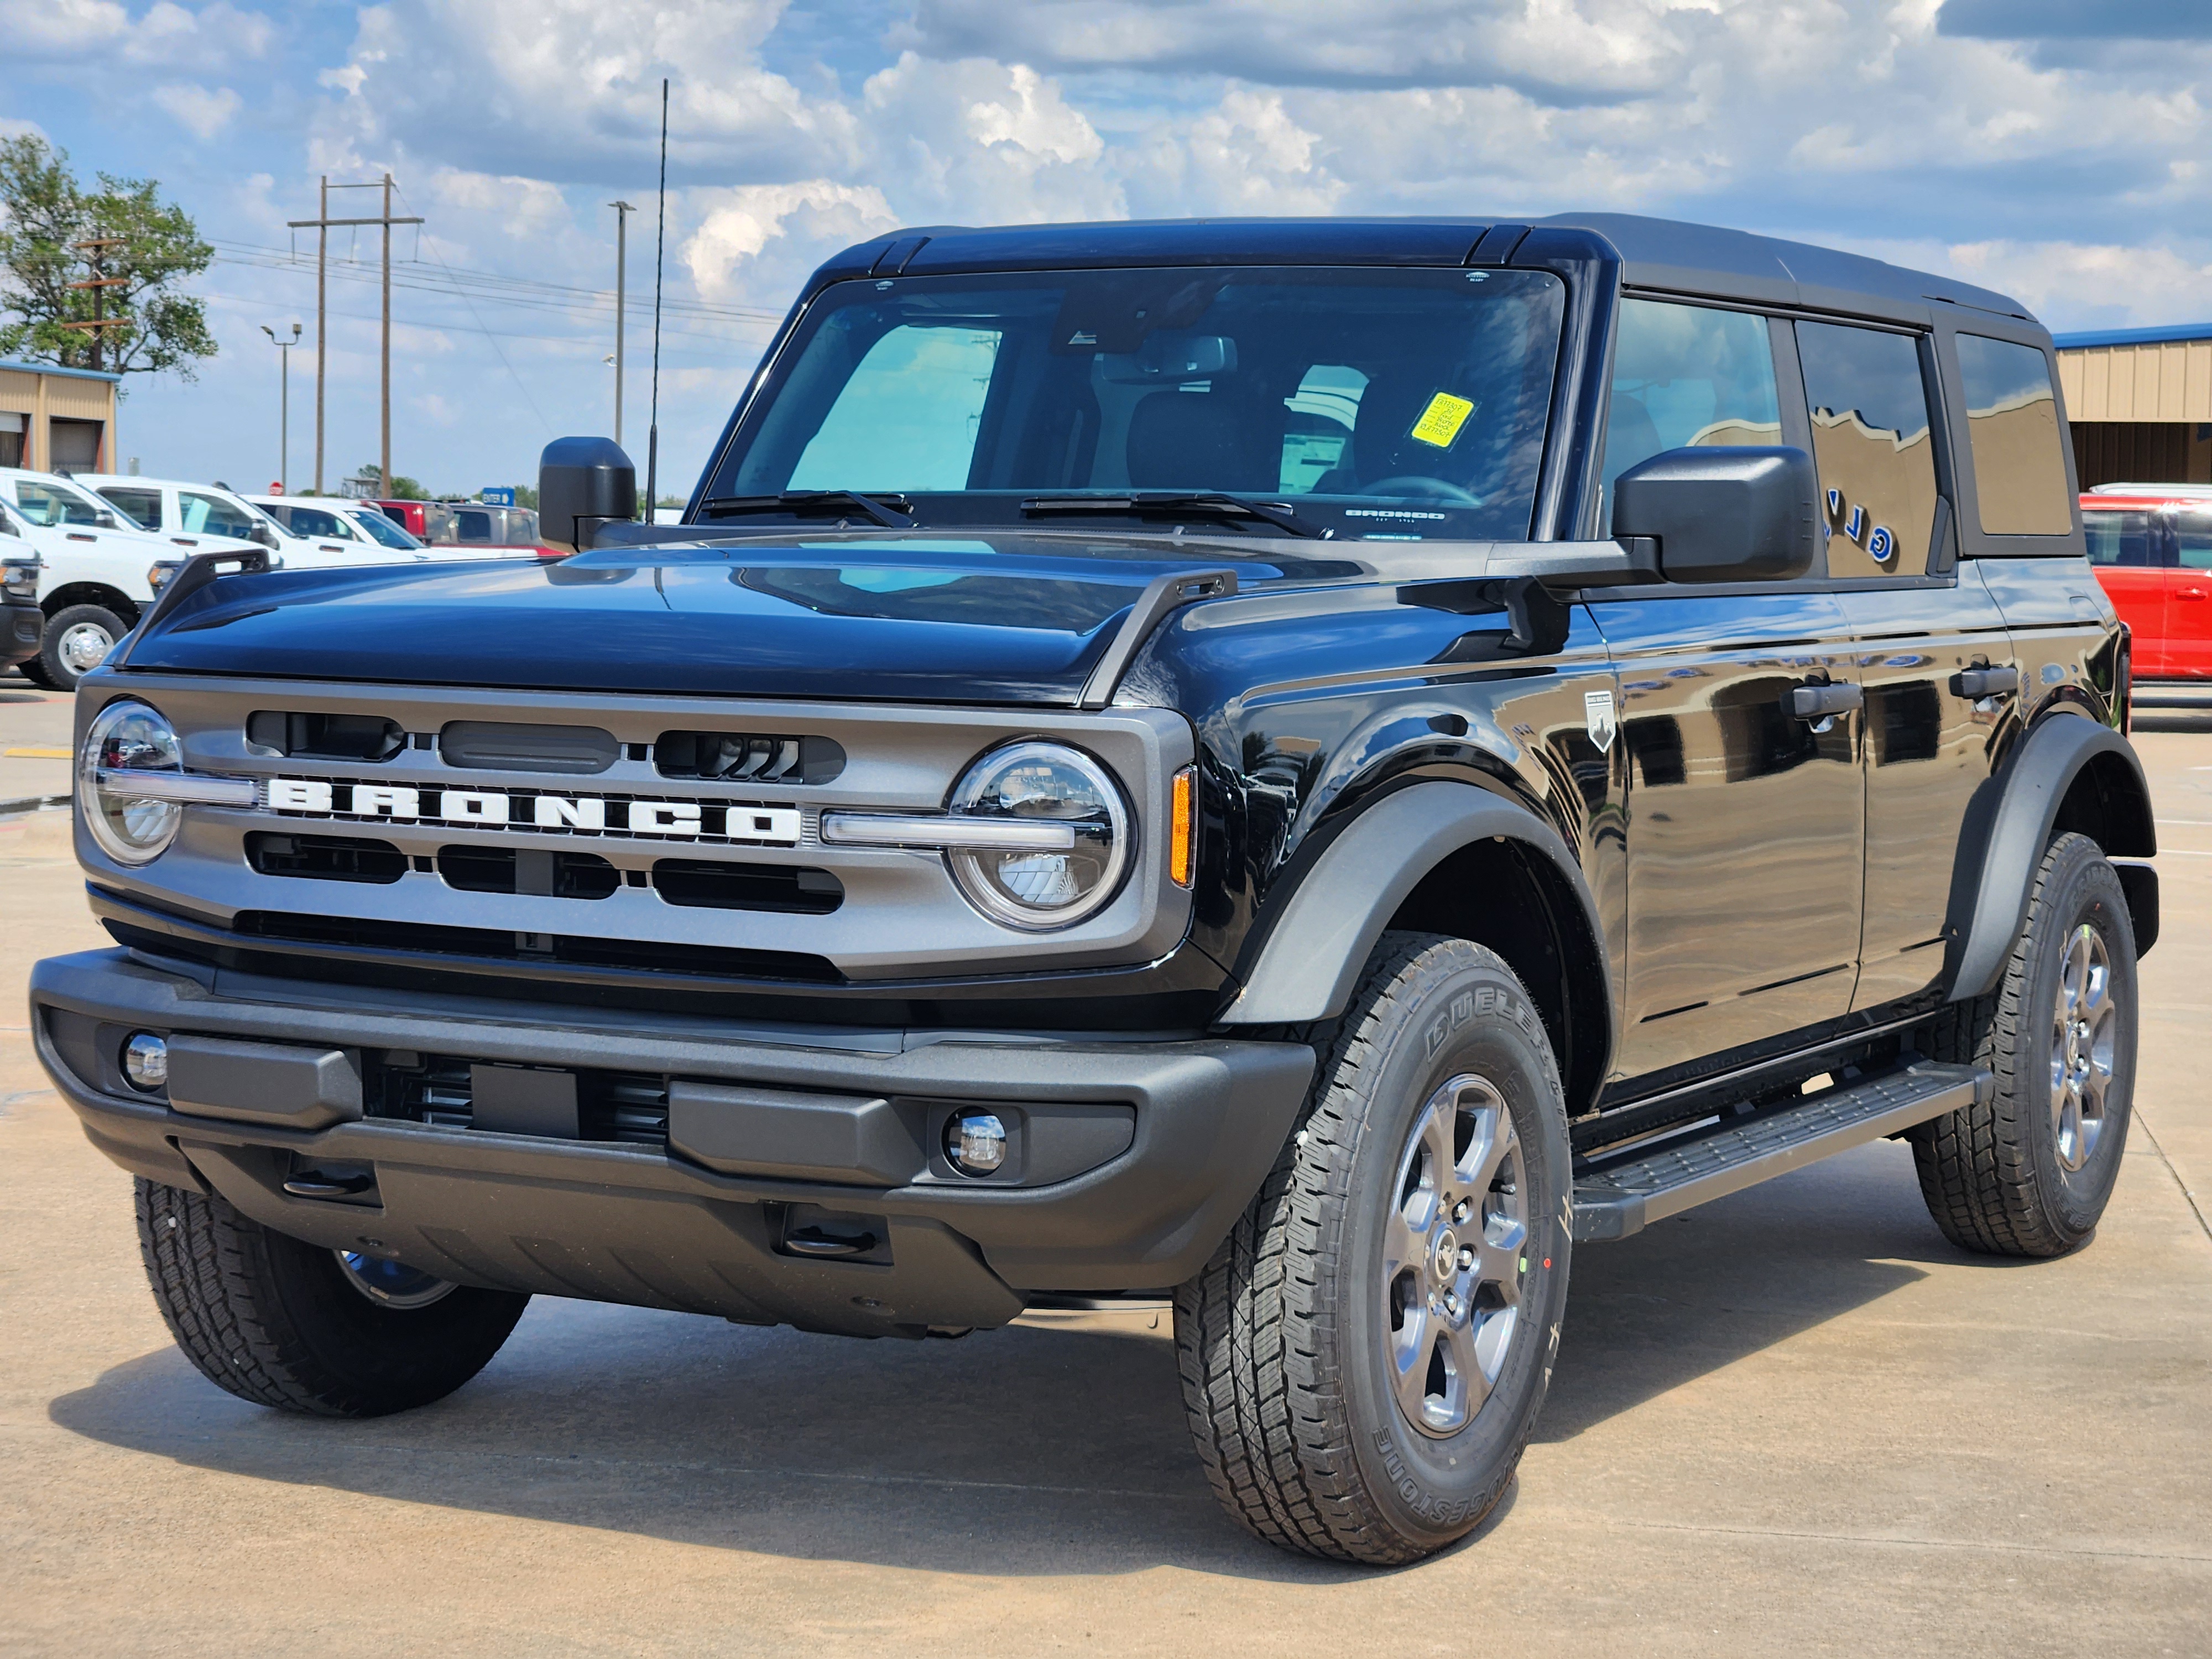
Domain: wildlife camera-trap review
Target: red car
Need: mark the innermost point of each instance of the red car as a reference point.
(2153, 551)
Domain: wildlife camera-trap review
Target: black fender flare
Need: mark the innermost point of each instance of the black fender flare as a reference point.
(1328, 927)
(1996, 864)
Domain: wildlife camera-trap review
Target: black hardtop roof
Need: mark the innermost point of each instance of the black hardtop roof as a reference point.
(1667, 254)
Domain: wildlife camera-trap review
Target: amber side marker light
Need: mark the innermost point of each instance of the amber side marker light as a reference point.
(1181, 836)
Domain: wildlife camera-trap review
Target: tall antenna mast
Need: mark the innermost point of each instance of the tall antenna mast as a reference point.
(659, 242)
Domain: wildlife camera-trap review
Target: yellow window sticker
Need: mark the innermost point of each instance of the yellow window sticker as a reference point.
(1441, 421)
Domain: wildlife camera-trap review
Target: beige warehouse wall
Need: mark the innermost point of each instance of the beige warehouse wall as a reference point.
(2171, 380)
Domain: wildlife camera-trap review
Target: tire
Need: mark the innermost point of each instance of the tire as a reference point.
(71, 649)
(283, 1323)
(2029, 1174)
(1290, 1340)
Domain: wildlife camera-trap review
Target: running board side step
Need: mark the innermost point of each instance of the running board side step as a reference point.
(1623, 1198)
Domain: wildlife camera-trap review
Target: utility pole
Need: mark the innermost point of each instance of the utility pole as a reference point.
(622, 210)
(284, 407)
(322, 319)
(324, 223)
(94, 249)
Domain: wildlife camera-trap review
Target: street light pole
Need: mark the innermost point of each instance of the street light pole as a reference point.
(284, 405)
(622, 210)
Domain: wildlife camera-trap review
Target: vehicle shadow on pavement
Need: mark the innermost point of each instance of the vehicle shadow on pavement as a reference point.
(1015, 1452)
(1690, 1295)
(1020, 1451)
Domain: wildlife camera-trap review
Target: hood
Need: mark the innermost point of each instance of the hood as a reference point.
(1005, 619)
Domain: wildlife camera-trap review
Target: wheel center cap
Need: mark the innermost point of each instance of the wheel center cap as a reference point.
(1443, 1261)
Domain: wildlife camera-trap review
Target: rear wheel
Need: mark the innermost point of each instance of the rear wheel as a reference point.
(1363, 1358)
(77, 640)
(289, 1324)
(2030, 1173)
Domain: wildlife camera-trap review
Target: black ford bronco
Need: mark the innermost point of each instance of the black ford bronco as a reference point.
(1305, 770)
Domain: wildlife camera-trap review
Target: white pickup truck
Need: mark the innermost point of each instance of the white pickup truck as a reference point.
(195, 517)
(94, 581)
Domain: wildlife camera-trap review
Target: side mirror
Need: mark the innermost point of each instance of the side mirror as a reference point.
(582, 484)
(1723, 514)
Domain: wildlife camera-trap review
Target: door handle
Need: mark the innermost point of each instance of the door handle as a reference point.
(1975, 683)
(2190, 593)
(74, 537)
(1823, 701)
(184, 541)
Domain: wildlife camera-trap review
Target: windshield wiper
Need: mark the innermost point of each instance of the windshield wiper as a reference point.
(892, 512)
(1201, 504)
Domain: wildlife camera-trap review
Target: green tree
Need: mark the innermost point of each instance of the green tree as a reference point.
(154, 246)
(401, 487)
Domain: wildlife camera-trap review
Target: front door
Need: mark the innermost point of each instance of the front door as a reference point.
(1744, 820)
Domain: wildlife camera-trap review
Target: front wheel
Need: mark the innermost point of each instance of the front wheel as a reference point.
(285, 1323)
(1364, 1356)
(77, 640)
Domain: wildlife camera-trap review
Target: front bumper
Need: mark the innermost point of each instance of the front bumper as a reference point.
(1131, 1157)
(21, 627)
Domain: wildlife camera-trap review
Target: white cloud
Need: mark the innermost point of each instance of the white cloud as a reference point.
(736, 225)
(198, 111)
(166, 35)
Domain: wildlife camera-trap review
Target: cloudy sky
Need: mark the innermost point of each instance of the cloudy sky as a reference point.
(2058, 150)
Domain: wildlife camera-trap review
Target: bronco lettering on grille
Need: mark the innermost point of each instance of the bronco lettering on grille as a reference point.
(490, 809)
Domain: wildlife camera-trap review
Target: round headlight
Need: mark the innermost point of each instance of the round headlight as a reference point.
(128, 737)
(1042, 782)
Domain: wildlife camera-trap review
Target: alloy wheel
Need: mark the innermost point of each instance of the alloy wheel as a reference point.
(1452, 1263)
(2085, 1025)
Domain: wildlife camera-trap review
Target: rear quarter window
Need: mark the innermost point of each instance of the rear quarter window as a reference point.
(2012, 422)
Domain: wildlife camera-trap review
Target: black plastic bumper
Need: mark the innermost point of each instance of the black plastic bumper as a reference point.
(21, 627)
(766, 1129)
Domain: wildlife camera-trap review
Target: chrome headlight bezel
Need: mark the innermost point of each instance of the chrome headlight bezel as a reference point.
(1105, 840)
(128, 735)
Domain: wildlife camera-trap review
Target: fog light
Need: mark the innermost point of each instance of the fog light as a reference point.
(974, 1142)
(146, 1062)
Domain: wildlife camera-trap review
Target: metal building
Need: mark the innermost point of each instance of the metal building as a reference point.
(56, 419)
(2140, 400)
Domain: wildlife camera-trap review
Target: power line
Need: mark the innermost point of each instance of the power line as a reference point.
(583, 341)
(498, 349)
(510, 289)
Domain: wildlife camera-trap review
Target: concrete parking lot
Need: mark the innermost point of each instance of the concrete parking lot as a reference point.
(1796, 1420)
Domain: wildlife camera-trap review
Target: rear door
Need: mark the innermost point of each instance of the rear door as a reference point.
(2188, 626)
(2127, 547)
(1933, 651)
(1744, 840)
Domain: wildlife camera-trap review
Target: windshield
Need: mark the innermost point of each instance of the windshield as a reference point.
(50, 504)
(1374, 403)
(381, 529)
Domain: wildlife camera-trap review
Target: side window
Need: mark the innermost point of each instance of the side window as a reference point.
(907, 417)
(142, 507)
(46, 506)
(2192, 537)
(471, 525)
(211, 515)
(2120, 538)
(2012, 421)
(1871, 443)
(1686, 375)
